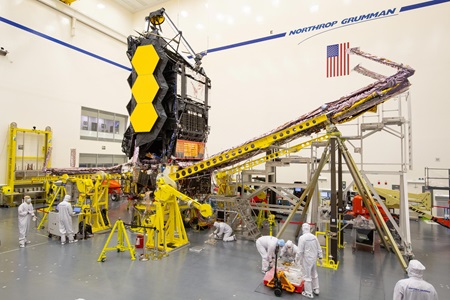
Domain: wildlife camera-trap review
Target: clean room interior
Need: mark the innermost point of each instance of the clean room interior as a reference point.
(65, 80)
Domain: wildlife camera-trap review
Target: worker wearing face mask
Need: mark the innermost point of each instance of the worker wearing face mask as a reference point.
(25, 214)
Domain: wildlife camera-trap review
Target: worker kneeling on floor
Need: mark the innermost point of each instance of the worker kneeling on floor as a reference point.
(223, 231)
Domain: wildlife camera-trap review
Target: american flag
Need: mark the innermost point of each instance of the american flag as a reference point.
(338, 60)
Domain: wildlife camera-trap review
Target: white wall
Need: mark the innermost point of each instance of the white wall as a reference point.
(43, 83)
(265, 84)
(255, 88)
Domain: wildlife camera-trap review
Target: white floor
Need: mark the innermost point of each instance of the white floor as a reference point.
(46, 270)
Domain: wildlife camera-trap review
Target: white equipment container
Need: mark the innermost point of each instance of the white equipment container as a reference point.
(53, 224)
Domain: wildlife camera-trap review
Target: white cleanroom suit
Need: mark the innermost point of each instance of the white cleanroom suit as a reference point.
(289, 251)
(414, 287)
(266, 247)
(309, 251)
(223, 229)
(25, 213)
(65, 220)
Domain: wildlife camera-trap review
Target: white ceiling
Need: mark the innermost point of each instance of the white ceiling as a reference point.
(138, 5)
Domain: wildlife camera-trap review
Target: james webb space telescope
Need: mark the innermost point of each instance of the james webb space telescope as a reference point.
(169, 104)
(167, 132)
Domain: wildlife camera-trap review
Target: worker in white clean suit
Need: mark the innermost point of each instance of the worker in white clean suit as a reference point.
(25, 213)
(65, 220)
(266, 247)
(289, 251)
(224, 231)
(309, 251)
(414, 287)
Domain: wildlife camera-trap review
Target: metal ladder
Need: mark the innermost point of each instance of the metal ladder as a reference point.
(249, 228)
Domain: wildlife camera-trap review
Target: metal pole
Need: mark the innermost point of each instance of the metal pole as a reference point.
(340, 199)
(308, 191)
(23, 152)
(404, 214)
(374, 212)
(333, 202)
(37, 155)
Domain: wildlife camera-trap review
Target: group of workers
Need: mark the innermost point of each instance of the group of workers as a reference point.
(309, 252)
(26, 215)
(306, 253)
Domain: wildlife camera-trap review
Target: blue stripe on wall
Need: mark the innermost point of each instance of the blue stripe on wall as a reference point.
(222, 48)
(9, 22)
(423, 4)
(263, 39)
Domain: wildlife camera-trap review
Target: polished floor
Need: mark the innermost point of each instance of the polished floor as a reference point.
(46, 270)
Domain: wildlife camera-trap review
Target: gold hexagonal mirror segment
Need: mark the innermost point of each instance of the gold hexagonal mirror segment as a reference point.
(145, 59)
(143, 117)
(145, 88)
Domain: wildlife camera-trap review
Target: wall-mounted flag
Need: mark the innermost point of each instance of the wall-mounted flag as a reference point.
(338, 60)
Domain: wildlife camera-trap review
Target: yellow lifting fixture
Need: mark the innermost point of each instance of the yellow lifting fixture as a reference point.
(327, 261)
(261, 143)
(121, 238)
(93, 192)
(28, 153)
(56, 190)
(93, 199)
(167, 228)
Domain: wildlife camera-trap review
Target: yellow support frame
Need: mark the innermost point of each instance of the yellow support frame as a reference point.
(165, 227)
(93, 196)
(263, 215)
(266, 215)
(120, 247)
(61, 191)
(167, 222)
(271, 223)
(271, 156)
(261, 143)
(326, 261)
(97, 192)
(12, 149)
(11, 181)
